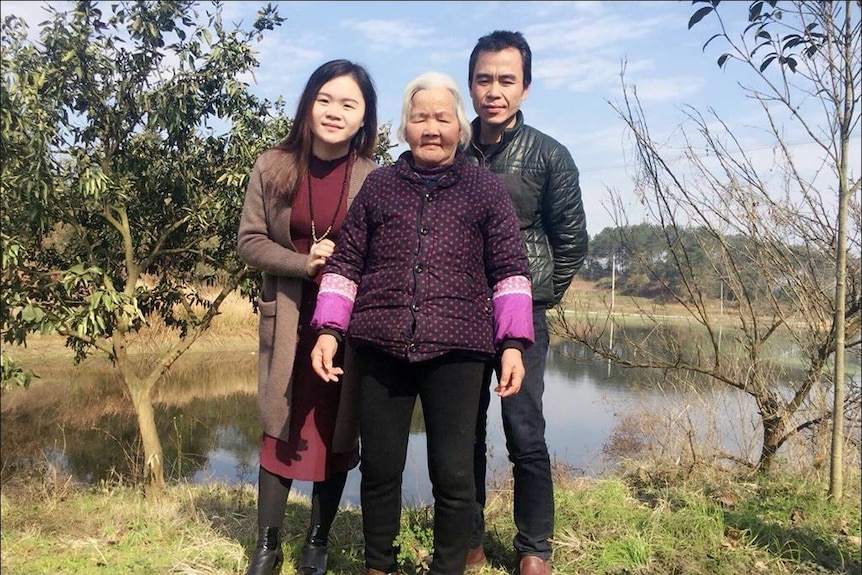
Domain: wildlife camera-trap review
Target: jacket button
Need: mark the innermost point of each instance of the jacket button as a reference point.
(415, 307)
(411, 348)
(418, 268)
(428, 197)
(423, 230)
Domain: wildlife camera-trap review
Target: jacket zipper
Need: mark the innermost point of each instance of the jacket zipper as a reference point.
(484, 160)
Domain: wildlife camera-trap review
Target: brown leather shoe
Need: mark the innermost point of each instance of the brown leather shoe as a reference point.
(532, 565)
(476, 558)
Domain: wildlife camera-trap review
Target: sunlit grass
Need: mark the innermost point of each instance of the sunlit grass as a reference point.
(779, 524)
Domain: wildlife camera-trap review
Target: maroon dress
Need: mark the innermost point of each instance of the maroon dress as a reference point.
(307, 454)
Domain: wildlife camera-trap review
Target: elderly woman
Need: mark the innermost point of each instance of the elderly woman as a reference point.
(429, 280)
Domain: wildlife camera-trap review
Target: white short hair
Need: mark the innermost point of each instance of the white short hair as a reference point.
(427, 81)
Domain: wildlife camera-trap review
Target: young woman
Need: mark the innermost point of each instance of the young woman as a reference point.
(297, 196)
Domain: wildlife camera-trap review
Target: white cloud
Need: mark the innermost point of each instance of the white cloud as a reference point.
(586, 54)
(670, 89)
(393, 34)
(586, 36)
(285, 57)
(586, 74)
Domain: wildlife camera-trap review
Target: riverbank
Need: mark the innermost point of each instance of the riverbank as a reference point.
(236, 325)
(647, 521)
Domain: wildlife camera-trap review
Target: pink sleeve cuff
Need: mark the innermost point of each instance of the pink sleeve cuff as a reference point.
(513, 310)
(334, 303)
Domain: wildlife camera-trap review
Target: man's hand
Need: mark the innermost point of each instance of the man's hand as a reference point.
(317, 256)
(511, 373)
(321, 357)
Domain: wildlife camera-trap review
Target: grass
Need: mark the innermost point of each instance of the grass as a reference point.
(628, 524)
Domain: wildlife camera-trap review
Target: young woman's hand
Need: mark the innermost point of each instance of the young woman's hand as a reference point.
(511, 373)
(317, 257)
(321, 357)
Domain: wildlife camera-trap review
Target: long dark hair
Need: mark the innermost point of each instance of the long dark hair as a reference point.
(497, 41)
(288, 174)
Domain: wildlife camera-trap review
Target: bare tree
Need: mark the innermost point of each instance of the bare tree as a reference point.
(800, 230)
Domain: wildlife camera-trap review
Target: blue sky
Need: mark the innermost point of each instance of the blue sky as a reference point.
(578, 50)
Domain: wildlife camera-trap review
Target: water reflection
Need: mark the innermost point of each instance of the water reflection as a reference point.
(207, 420)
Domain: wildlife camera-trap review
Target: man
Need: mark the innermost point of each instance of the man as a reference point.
(542, 180)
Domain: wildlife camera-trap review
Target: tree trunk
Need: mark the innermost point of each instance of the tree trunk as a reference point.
(773, 421)
(836, 465)
(153, 455)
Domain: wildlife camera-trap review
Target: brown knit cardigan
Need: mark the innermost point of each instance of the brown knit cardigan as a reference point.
(264, 243)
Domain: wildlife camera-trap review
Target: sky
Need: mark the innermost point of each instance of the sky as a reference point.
(579, 49)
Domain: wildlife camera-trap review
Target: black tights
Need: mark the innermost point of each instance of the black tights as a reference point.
(272, 500)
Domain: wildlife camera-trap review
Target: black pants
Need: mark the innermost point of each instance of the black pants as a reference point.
(448, 388)
(524, 426)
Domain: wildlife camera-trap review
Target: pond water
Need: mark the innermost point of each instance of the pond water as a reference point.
(580, 403)
(78, 420)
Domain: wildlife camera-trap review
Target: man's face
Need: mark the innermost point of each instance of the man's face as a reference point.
(498, 87)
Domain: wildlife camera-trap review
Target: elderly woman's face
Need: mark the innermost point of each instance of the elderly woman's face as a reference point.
(433, 132)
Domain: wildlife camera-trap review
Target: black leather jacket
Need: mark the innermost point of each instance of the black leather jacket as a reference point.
(542, 180)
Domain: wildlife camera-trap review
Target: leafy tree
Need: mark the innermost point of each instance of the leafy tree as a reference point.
(777, 244)
(120, 198)
(127, 142)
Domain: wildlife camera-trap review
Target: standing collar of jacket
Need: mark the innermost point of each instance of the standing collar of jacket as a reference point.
(445, 176)
(508, 134)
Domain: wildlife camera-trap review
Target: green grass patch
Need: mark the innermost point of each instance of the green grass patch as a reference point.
(780, 524)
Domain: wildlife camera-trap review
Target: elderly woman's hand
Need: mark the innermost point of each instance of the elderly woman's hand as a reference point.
(317, 256)
(511, 373)
(321, 357)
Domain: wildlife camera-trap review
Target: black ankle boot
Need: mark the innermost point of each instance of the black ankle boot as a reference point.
(268, 556)
(312, 561)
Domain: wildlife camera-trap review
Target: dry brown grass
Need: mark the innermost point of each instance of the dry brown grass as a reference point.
(584, 296)
(235, 328)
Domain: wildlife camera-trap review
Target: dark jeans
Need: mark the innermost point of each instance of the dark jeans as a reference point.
(448, 388)
(524, 427)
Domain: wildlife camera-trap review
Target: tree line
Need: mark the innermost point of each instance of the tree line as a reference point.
(638, 260)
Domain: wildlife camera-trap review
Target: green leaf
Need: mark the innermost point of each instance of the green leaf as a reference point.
(699, 15)
(28, 313)
(792, 43)
(767, 61)
(713, 37)
(754, 11)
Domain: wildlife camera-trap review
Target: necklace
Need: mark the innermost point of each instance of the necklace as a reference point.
(344, 185)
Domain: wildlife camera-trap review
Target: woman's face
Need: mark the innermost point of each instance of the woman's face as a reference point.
(433, 132)
(337, 114)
